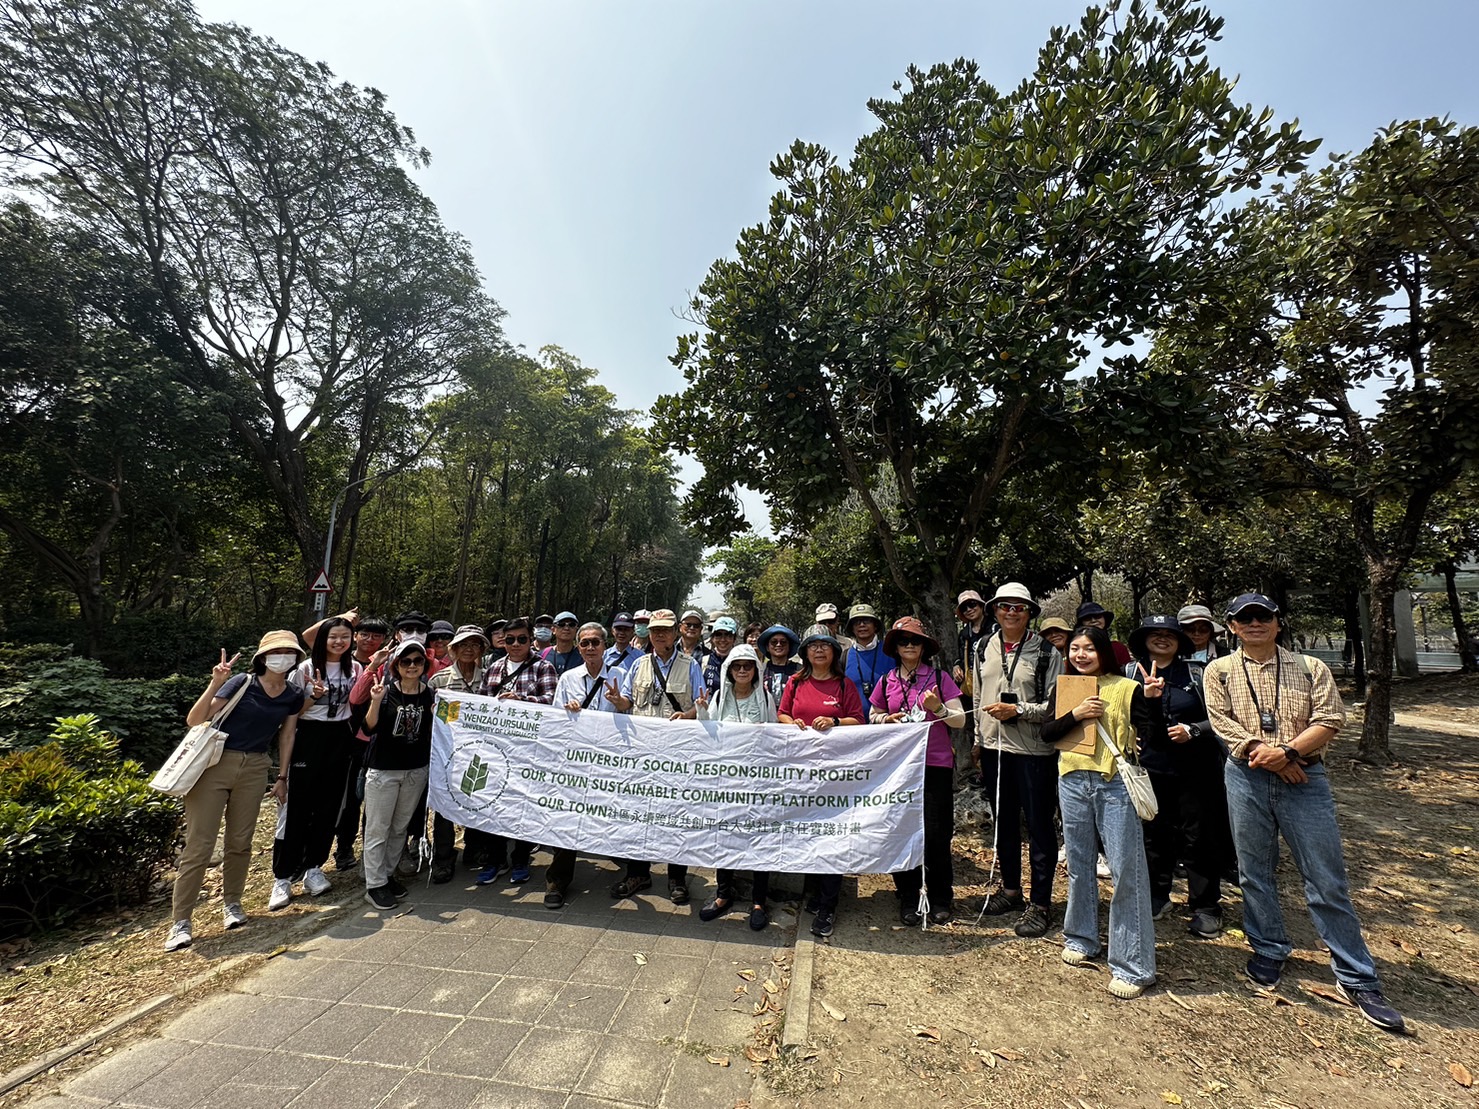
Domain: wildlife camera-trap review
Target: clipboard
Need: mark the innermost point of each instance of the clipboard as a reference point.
(1072, 691)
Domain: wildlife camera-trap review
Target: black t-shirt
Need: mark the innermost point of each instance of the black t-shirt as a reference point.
(403, 732)
(257, 717)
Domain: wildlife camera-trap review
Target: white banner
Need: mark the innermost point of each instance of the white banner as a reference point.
(743, 796)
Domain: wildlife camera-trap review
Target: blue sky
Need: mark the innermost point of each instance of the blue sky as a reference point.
(599, 156)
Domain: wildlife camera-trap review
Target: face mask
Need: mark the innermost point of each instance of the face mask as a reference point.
(281, 663)
(641, 631)
(413, 637)
(543, 635)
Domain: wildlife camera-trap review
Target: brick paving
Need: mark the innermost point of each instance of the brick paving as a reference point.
(468, 996)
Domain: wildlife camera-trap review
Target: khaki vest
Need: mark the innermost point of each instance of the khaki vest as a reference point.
(647, 695)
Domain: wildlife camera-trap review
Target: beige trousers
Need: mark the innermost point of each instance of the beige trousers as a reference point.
(233, 787)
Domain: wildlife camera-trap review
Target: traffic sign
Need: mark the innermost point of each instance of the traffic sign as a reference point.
(321, 583)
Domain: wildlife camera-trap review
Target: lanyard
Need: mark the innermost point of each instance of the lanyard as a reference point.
(1278, 681)
(591, 691)
(872, 679)
(905, 690)
(1016, 658)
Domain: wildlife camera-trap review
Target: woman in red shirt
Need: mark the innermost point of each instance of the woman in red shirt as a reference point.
(821, 697)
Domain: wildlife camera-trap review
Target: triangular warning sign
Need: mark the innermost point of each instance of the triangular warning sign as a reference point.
(321, 583)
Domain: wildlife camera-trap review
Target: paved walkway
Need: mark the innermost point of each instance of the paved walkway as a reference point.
(470, 997)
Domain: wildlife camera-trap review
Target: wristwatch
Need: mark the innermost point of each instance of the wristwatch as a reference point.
(1289, 752)
(1021, 708)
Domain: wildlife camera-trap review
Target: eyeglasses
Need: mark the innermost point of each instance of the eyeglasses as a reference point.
(516, 639)
(742, 666)
(724, 635)
(689, 625)
(593, 643)
(1254, 616)
(908, 641)
(371, 635)
(566, 624)
(970, 605)
(1010, 606)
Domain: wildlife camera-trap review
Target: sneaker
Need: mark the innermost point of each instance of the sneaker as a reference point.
(759, 918)
(179, 936)
(1034, 922)
(631, 885)
(441, 873)
(1001, 902)
(1265, 972)
(345, 861)
(941, 916)
(1373, 1006)
(554, 898)
(825, 921)
(381, 898)
(814, 903)
(519, 875)
(1123, 990)
(715, 907)
(410, 864)
(1073, 957)
(398, 891)
(1205, 924)
(1101, 868)
(909, 917)
(316, 882)
(1062, 856)
(489, 874)
(678, 893)
(235, 915)
(1160, 908)
(282, 893)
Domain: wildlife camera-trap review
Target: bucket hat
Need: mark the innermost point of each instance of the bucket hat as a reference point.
(909, 625)
(1158, 623)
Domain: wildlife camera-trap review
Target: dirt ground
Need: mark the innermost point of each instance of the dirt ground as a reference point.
(969, 1015)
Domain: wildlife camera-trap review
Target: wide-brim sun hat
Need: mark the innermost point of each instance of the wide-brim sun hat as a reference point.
(820, 633)
(968, 595)
(861, 612)
(466, 632)
(909, 625)
(780, 629)
(1170, 624)
(1093, 608)
(1198, 614)
(1015, 592)
(1054, 624)
(280, 640)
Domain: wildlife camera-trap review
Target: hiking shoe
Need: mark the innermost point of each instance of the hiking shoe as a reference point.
(1001, 902)
(235, 916)
(908, 917)
(345, 861)
(410, 864)
(759, 918)
(381, 898)
(715, 907)
(1205, 924)
(1101, 868)
(631, 885)
(282, 893)
(1374, 1007)
(942, 915)
(519, 875)
(179, 936)
(1265, 972)
(1074, 957)
(1123, 990)
(1160, 908)
(825, 921)
(554, 897)
(398, 891)
(489, 874)
(316, 882)
(678, 892)
(814, 902)
(1034, 922)
(441, 873)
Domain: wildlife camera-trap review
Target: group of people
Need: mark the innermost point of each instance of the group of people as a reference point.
(1231, 737)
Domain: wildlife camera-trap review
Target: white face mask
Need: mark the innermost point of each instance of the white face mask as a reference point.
(281, 662)
(413, 637)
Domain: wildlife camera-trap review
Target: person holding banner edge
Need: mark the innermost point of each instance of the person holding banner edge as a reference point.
(916, 690)
(820, 696)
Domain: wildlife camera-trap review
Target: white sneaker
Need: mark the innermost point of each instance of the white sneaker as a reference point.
(1062, 856)
(235, 915)
(179, 936)
(1103, 868)
(282, 893)
(316, 882)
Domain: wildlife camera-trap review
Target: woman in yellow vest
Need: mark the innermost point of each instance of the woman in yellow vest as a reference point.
(1097, 807)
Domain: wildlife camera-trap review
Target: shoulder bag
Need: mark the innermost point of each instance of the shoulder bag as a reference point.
(197, 752)
(1135, 777)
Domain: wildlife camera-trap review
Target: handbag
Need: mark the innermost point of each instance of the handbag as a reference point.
(1135, 777)
(197, 752)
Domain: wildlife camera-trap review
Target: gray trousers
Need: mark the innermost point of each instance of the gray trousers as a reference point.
(391, 799)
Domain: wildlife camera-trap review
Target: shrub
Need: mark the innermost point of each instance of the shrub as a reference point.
(80, 829)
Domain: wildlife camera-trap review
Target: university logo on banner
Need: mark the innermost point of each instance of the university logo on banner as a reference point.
(746, 796)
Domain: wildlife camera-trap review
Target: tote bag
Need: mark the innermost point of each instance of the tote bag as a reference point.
(198, 751)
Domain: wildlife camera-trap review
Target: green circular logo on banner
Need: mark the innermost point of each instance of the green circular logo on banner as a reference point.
(477, 774)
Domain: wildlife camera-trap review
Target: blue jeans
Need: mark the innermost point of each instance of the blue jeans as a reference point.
(1095, 810)
(1262, 805)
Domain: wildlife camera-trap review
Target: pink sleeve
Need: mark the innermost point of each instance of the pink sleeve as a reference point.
(879, 697)
(948, 689)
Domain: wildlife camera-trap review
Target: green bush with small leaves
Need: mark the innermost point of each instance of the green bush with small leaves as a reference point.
(80, 829)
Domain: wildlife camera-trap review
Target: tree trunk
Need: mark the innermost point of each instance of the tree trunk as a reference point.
(539, 566)
(1375, 743)
(1468, 661)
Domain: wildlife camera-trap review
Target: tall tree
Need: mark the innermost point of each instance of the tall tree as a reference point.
(913, 317)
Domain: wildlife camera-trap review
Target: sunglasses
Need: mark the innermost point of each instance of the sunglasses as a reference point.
(970, 605)
(566, 624)
(908, 641)
(1254, 616)
(412, 662)
(593, 643)
(691, 626)
(723, 634)
(1010, 606)
(516, 639)
(742, 666)
(780, 641)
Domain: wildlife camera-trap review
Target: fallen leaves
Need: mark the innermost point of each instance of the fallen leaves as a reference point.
(1460, 1074)
(641, 959)
(1184, 1004)
(833, 1012)
(718, 1060)
(747, 974)
(925, 1032)
(1008, 1054)
(1170, 1097)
